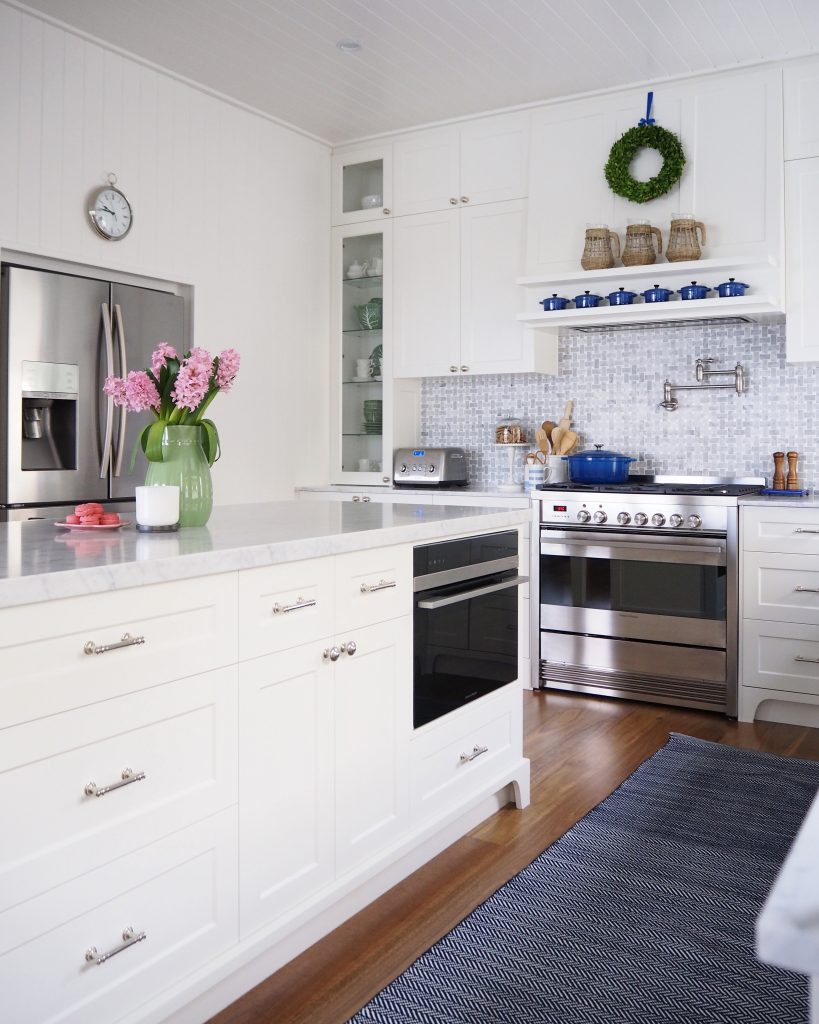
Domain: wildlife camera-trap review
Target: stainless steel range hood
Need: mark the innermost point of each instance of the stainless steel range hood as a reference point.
(645, 325)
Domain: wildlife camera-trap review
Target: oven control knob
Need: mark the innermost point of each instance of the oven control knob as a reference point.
(600, 517)
(403, 469)
(432, 467)
(658, 519)
(675, 520)
(623, 518)
(583, 516)
(640, 519)
(694, 522)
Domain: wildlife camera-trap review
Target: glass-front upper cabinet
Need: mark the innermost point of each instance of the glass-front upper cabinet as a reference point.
(362, 185)
(361, 405)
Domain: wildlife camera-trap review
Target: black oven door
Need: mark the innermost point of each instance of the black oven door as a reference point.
(669, 589)
(465, 643)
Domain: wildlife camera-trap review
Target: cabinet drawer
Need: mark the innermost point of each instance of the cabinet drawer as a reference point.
(775, 528)
(448, 757)
(372, 586)
(181, 891)
(781, 587)
(188, 627)
(780, 656)
(282, 606)
(182, 736)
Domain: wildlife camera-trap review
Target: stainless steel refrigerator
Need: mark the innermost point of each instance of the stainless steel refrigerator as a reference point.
(63, 440)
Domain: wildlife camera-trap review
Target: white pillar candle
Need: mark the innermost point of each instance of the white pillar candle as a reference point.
(157, 506)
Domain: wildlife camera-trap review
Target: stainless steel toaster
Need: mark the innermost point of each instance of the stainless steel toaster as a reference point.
(429, 467)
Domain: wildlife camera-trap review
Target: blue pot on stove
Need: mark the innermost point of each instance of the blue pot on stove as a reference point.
(657, 294)
(621, 297)
(587, 300)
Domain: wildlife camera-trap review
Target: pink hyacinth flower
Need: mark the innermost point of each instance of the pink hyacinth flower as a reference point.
(140, 392)
(191, 384)
(159, 359)
(115, 387)
(228, 368)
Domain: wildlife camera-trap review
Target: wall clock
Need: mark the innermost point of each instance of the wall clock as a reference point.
(111, 213)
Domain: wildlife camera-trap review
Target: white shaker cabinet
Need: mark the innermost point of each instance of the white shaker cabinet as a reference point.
(482, 161)
(801, 102)
(455, 294)
(359, 173)
(802, 258)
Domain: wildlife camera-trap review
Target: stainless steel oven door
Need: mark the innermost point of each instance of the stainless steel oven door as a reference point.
(662, 588)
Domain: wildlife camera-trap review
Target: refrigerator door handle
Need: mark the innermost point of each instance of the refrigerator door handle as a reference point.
(109, 408)
(123, 369)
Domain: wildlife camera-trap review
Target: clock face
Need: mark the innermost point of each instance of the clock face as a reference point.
(111, 214)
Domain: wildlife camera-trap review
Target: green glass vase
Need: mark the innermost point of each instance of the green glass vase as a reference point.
(185, 465)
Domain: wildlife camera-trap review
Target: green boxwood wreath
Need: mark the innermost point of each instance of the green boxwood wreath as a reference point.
(644, 136)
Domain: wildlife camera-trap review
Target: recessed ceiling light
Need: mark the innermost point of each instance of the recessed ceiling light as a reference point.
(348, 45)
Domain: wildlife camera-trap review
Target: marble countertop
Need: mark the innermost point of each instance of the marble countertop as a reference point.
(473, 492)
(787, 930)
(807, 501)
(39, 562)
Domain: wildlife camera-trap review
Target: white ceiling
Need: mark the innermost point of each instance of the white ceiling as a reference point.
(430, 60)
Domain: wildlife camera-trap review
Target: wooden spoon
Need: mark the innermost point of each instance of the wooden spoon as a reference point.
(567, 443)
(542, 439)
(566, 420)
(548, 426)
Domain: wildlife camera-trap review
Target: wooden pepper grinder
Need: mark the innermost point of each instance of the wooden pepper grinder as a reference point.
(779, 476)
(792, 483)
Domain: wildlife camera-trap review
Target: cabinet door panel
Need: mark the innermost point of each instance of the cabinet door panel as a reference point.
(494, 155)
(801, 85)
(426, 294)
(492, 241)
(373, 697)
(802, 258)
(286, 781)
(426, 171)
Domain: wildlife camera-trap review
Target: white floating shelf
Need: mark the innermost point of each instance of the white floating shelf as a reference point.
(698, 270)
(656, 312)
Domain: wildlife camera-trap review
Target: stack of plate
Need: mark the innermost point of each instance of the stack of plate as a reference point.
(372, 416)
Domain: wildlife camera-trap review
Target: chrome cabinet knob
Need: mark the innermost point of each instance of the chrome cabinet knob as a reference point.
(694, 522)
(658, 519)
(386, 211)
(640, 519)
(623, 518)
(453, 201)
(453, 369)
(349, 648)
(675, 520)
(599, 517)
(583, 516)
(331, 654)
(464, 199)
(464, 369)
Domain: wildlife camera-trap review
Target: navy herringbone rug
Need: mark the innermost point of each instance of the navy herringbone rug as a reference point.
(642, 913)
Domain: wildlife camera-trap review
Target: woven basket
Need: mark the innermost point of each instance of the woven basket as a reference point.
(597, 251)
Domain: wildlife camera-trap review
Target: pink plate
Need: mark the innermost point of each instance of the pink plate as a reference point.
(84, 527)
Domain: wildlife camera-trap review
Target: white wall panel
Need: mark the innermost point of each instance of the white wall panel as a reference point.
(224, 200)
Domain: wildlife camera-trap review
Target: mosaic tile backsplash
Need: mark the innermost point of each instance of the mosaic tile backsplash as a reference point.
(616, 383)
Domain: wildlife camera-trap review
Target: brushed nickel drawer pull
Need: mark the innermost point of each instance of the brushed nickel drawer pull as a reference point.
(806, 590)
(129, 938)
(476, 752)
(800, 530)
(126, 641)
(128, 776)
(298, 604)
(370, 588)
(812, 661)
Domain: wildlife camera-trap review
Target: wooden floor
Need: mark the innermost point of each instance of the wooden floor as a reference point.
(581, 748)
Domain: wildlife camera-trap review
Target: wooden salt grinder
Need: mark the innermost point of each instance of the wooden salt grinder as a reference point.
(779, 476)
(792, 483)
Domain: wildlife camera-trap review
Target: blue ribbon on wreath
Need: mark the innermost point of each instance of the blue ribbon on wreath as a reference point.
(648, 119)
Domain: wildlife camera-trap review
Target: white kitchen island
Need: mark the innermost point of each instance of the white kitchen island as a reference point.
(202, 777)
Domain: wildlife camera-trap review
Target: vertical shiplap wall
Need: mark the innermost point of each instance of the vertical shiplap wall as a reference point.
(224, 200)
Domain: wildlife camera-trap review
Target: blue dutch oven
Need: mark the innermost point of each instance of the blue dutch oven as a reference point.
(731, 287)
(555, 302)
(621, 297)
(694, 291)
(587, 300)
(598, 467)
(657, 294)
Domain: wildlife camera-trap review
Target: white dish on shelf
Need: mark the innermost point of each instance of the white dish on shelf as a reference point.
(362, 380)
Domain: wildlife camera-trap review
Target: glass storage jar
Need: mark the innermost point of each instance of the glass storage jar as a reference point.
(510, 431)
